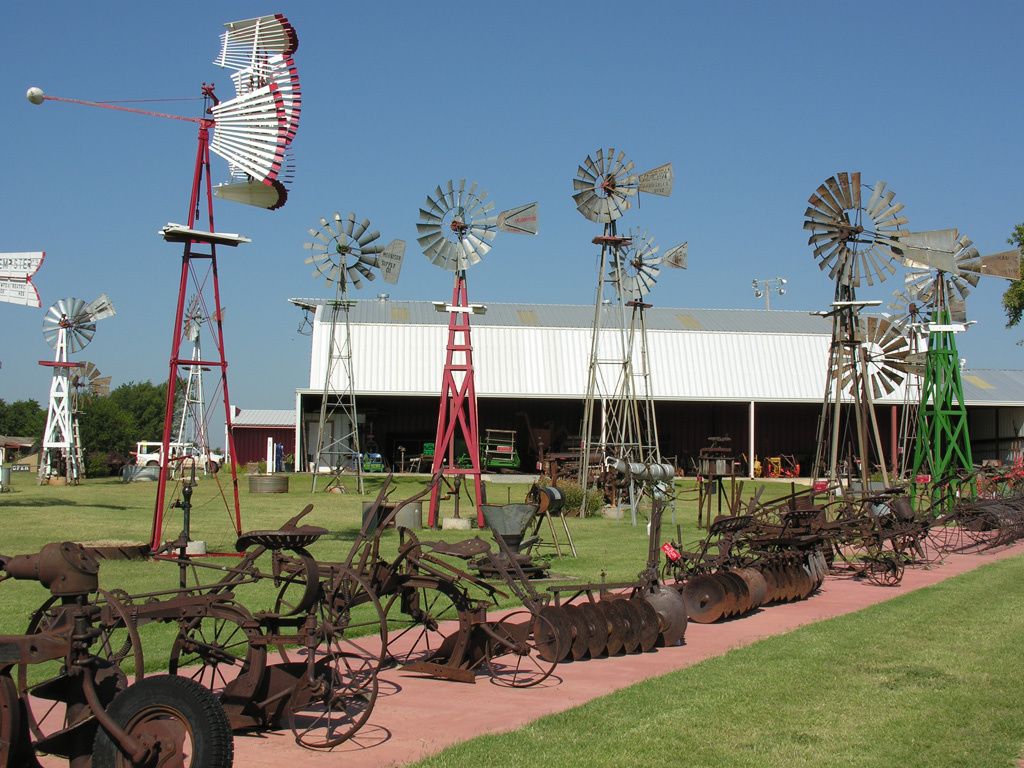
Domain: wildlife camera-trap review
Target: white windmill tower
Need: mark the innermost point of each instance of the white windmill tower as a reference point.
(68, 327)
(192, 428)
(345, 251)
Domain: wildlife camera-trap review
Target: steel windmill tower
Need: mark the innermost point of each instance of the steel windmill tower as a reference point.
(854, 231)
(603, 188)
(68, 327)
(943, 267)
(455, 230)
(345, 252)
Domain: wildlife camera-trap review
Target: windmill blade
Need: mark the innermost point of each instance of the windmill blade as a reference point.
(834, 217)
(244, 39)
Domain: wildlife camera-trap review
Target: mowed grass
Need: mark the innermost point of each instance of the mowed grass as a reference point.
(932, 678)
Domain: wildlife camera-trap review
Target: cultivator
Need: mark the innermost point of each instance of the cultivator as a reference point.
(94, 707)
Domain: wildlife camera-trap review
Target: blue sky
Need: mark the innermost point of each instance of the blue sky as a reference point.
(754, 103)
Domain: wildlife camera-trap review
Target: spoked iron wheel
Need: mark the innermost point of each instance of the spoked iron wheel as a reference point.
(222, 647)
(420, 616)
(885, 571)
(119, 657)
(335, 694)
(515, 649)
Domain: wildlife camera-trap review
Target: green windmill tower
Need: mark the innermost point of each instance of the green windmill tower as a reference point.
(943, 267)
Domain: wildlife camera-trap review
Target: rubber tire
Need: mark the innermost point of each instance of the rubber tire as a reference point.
(212, 742)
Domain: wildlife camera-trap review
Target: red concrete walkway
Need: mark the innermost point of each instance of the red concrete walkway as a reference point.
(415, 717)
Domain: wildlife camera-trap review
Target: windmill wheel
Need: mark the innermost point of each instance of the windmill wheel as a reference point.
(455, 227)
(71, 317)
(957, 283)
(885, 350)
(603, 186)
(635, 266)
(911, 305)
(344, 250)
(854, 240)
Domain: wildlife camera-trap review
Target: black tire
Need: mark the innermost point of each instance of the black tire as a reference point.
(172, 704)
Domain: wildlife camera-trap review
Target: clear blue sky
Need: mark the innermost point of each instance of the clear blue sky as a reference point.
(754, 103)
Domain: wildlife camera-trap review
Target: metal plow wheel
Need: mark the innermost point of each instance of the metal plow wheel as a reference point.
(670, 607)
(735, 586)
(650, 627)
(620, 616)
(581, 632)
(756, 585)
(705, 599)
(519, 649)
(616, 632)
(554, 635)
(598, 626)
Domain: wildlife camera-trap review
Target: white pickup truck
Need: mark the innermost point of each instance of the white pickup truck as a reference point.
(185, 455)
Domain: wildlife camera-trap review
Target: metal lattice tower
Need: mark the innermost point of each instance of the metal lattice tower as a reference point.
(68, 327)
(627, 269)
(253, 132)
(943, 267)
(942, 444)
(853, 233)
(192, 427)
(344, 252)
(455, 230)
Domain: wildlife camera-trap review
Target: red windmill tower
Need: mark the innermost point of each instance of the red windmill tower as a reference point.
(252, 132)
(456, 229)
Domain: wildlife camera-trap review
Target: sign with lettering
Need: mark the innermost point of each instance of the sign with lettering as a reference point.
(16, 270)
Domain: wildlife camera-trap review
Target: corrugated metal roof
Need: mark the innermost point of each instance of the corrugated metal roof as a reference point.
(579, 316)
(543, 350)
(993, 387)
(256, 417)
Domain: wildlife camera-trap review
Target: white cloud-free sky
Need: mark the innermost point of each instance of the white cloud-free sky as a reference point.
(754, 103)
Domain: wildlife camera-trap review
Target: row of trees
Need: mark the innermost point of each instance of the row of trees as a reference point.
(110, 424)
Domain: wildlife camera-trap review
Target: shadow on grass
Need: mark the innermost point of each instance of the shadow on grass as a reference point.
(27, 503)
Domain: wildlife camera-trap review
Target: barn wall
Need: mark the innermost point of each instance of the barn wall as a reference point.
(251, 442)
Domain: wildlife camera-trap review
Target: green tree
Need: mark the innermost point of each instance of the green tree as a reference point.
(1013, 298)
(22, 418)
(145, 403)
(105, 427)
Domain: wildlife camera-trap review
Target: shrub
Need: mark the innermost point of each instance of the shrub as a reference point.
(574, 495)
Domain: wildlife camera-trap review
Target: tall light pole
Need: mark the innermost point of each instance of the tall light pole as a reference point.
(765, 288)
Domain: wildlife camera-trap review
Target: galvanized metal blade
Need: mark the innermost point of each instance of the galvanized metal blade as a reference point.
(367, 237)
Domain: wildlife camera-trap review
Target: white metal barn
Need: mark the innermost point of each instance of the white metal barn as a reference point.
(755, 376)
